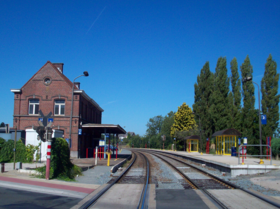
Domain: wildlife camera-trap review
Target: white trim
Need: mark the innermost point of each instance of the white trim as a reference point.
(89, 99)
(59, 107)
(16, 90)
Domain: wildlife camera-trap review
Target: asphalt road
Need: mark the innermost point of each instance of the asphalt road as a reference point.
(12, 198)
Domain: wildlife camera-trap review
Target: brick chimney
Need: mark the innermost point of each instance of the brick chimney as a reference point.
(59, 66)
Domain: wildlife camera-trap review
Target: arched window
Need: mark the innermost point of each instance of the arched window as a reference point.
(33, 107)
(59, 107)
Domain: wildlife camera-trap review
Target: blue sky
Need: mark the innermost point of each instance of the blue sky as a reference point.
(143, 57)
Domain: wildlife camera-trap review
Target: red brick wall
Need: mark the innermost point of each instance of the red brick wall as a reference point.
(59, 88)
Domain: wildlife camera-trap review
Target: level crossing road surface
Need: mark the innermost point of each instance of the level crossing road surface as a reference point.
(15, 198)
(38, 193)
(120, 196)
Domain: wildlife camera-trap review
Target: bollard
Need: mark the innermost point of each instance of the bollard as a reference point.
(96, 155)
(2, 167)
(109, 156)
(242, 156)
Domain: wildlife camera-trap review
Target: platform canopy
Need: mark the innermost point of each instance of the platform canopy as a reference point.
(230, 132)
(105, 128)
(192, 137)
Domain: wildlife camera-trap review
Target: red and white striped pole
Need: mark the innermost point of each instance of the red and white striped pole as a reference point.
(48, 160)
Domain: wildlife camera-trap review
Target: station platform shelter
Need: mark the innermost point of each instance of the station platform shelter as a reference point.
(92, 133)
(225, 140)
(192, 143)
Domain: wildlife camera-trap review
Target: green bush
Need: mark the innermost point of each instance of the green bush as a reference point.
(61, 166)
(23, 153)
(6, 152)
(275, 146)
(29, 152)
(20, 152)
(2, 141)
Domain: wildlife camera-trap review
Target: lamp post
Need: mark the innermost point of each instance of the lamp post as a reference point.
(260, 127)
(199, 132)
(163, 137)
(85, 73)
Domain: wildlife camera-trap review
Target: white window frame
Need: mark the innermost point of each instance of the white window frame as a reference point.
(59, 104)
(33, 103)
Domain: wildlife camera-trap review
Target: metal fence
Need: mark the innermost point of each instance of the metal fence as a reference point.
(249, 145)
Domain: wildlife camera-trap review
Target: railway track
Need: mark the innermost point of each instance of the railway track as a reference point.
(127, 177)
(209, 181)
(196, 182)
(136, 177)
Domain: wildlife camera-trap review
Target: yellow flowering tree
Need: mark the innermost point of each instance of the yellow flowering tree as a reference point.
(183, 120)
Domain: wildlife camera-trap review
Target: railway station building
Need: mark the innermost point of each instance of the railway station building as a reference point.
(49, 93)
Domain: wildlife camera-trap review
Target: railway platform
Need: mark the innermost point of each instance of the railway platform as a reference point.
(229, 164)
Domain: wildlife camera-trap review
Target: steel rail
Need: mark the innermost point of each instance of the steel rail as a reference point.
(205, 173)
(99, 194)
(191, 182)
(145, 188)
(229, 183)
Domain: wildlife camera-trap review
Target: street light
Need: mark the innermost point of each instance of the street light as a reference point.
(199, 132)
(244, 80)
(163, 137)
(85, 73)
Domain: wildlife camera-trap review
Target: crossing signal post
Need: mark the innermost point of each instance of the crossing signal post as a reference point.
(49, 139)
(44, 132)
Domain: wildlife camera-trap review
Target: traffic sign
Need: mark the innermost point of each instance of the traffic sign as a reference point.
(40, 119)
(264, 119)
(101, 143)
(245, 140)
(80, 131)
(50, 120)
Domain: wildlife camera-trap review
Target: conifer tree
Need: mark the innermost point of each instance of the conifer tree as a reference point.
(248, 111)
(231, 110)
(236, 93)
(270, 97)
(203, 91)
(219, 99)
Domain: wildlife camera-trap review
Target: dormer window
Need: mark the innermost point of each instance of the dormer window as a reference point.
(59, 107)
(33, 106)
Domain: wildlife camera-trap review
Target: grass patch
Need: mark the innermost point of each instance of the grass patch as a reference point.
(74, 171)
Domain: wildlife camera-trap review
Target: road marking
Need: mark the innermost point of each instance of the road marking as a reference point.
(115, 159)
